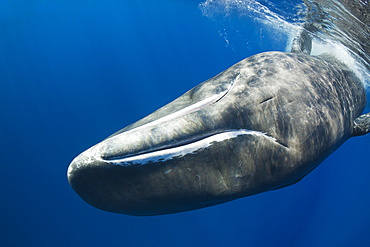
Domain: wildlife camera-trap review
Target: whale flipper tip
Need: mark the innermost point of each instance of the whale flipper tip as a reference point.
(362, 125)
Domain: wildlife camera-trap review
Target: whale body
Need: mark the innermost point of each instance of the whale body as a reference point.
(260, 125)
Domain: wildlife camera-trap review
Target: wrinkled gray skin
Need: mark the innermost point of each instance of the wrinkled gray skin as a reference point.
(294, 109)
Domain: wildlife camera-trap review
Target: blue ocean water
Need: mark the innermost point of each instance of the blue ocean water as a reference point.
(74, 72)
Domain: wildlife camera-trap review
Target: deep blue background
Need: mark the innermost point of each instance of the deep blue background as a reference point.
(74, 72)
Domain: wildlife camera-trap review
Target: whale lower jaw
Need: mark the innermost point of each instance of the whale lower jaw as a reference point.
(117, 185)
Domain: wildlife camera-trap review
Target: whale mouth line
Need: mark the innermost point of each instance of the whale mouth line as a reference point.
(181, 148)
(165, 147)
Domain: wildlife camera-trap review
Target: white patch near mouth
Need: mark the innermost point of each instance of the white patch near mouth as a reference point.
(167, 154)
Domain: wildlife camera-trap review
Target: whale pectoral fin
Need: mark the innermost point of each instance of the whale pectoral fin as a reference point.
(361, 125)
(302, 43)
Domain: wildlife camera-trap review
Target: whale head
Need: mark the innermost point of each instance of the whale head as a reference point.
(260, 125)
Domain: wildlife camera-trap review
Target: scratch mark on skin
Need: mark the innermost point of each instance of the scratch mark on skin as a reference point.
(309, 135)
(265, 100)
(168, 171)
(222, 181)
(282, 144)
(200, 182)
